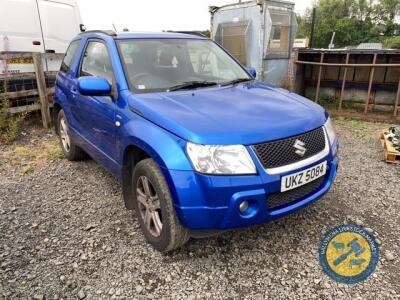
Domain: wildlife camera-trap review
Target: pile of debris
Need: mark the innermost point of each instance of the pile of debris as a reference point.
(393, 135)
(390, 140)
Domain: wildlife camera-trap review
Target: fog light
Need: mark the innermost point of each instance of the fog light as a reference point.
(243, 206)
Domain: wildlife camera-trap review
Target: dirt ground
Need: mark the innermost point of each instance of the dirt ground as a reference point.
(65, 234)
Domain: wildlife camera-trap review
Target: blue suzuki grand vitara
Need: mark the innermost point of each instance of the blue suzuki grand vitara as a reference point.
(197, 142)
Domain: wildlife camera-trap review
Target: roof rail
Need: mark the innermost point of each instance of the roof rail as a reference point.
(107, 32)
(198, 33)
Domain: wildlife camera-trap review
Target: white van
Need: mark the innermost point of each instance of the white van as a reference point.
(45, 26)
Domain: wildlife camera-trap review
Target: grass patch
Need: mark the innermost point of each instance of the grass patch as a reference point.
(22, 151)
(329, 104)
(27, 169)
(358, 124)
(339, 120)
(356, 107)
(55, 152)
(28, 158)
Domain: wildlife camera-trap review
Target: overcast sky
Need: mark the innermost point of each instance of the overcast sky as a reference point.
(154, 15)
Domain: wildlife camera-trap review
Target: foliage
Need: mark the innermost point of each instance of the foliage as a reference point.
(10, 126)
(27, 169)
(56, 152)
(358, 124)
(354, 21)
(392, 42)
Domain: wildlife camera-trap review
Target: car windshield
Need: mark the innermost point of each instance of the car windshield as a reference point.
(154, 65)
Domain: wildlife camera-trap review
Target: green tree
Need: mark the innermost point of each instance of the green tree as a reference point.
(354, 21)
(392, 43)
(386, 12)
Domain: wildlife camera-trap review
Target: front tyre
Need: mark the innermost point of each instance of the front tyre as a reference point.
(71, 151)
(154, 208)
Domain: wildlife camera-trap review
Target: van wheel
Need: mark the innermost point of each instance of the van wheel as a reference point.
(154, 208)
(71, 151)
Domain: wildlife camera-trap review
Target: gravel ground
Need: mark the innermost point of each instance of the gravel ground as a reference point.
(65, 234)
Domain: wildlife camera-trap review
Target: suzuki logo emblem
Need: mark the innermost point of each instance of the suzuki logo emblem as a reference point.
(300, 149)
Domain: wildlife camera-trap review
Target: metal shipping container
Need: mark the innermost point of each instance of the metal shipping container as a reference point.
(260, 34)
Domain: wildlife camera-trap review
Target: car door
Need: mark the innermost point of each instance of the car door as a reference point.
(66, 80)
(96, 114)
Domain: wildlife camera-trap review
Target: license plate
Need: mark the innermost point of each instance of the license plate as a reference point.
(295, 180)
(20, 61)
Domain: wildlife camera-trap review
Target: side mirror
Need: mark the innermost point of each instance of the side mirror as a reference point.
(252, 72)
(94, 86)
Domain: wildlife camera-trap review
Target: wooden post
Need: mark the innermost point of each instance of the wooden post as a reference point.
(319, 78)
(397, 102)
(343, 81)
(42, 90)
(371, 78)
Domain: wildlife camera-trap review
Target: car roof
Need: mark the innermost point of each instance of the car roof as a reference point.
(144, 35)
(159, 35)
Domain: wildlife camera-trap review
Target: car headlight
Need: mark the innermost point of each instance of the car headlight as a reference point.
(215, 159)
(330, 131)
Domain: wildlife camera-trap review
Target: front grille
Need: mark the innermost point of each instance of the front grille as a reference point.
(282, 152)
(279, 199)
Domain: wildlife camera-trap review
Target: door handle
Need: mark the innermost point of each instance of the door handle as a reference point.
(74, 92)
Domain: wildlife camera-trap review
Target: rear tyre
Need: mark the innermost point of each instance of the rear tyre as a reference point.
(154, 208)
(71, 151)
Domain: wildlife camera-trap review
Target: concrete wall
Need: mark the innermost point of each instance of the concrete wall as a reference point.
(356, 95)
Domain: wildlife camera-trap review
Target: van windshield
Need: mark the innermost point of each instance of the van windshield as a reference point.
(153, 65)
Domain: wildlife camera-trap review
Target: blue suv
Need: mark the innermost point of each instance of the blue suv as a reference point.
(199, 145)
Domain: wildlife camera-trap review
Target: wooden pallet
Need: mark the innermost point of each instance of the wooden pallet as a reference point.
(391, 155)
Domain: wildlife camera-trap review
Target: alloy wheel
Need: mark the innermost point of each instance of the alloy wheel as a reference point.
(64, 135)
(149, 206)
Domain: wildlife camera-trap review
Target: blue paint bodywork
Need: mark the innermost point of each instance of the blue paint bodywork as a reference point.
(161, 123)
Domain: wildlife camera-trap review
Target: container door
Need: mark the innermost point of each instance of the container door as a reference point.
(280, 30)
(239, 30)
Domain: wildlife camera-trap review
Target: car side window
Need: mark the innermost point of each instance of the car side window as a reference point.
(69, 55)
(96, 61)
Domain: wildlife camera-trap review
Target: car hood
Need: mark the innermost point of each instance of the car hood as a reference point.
(242, 114)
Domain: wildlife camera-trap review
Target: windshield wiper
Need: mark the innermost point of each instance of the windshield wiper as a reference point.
(235, 81)
(191, 84)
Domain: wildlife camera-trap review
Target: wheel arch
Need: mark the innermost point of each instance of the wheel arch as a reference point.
(167, 153)
(146, 139)
(133, 153)
(56, 109)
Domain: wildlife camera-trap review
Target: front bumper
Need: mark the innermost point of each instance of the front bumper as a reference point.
(204, 202)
